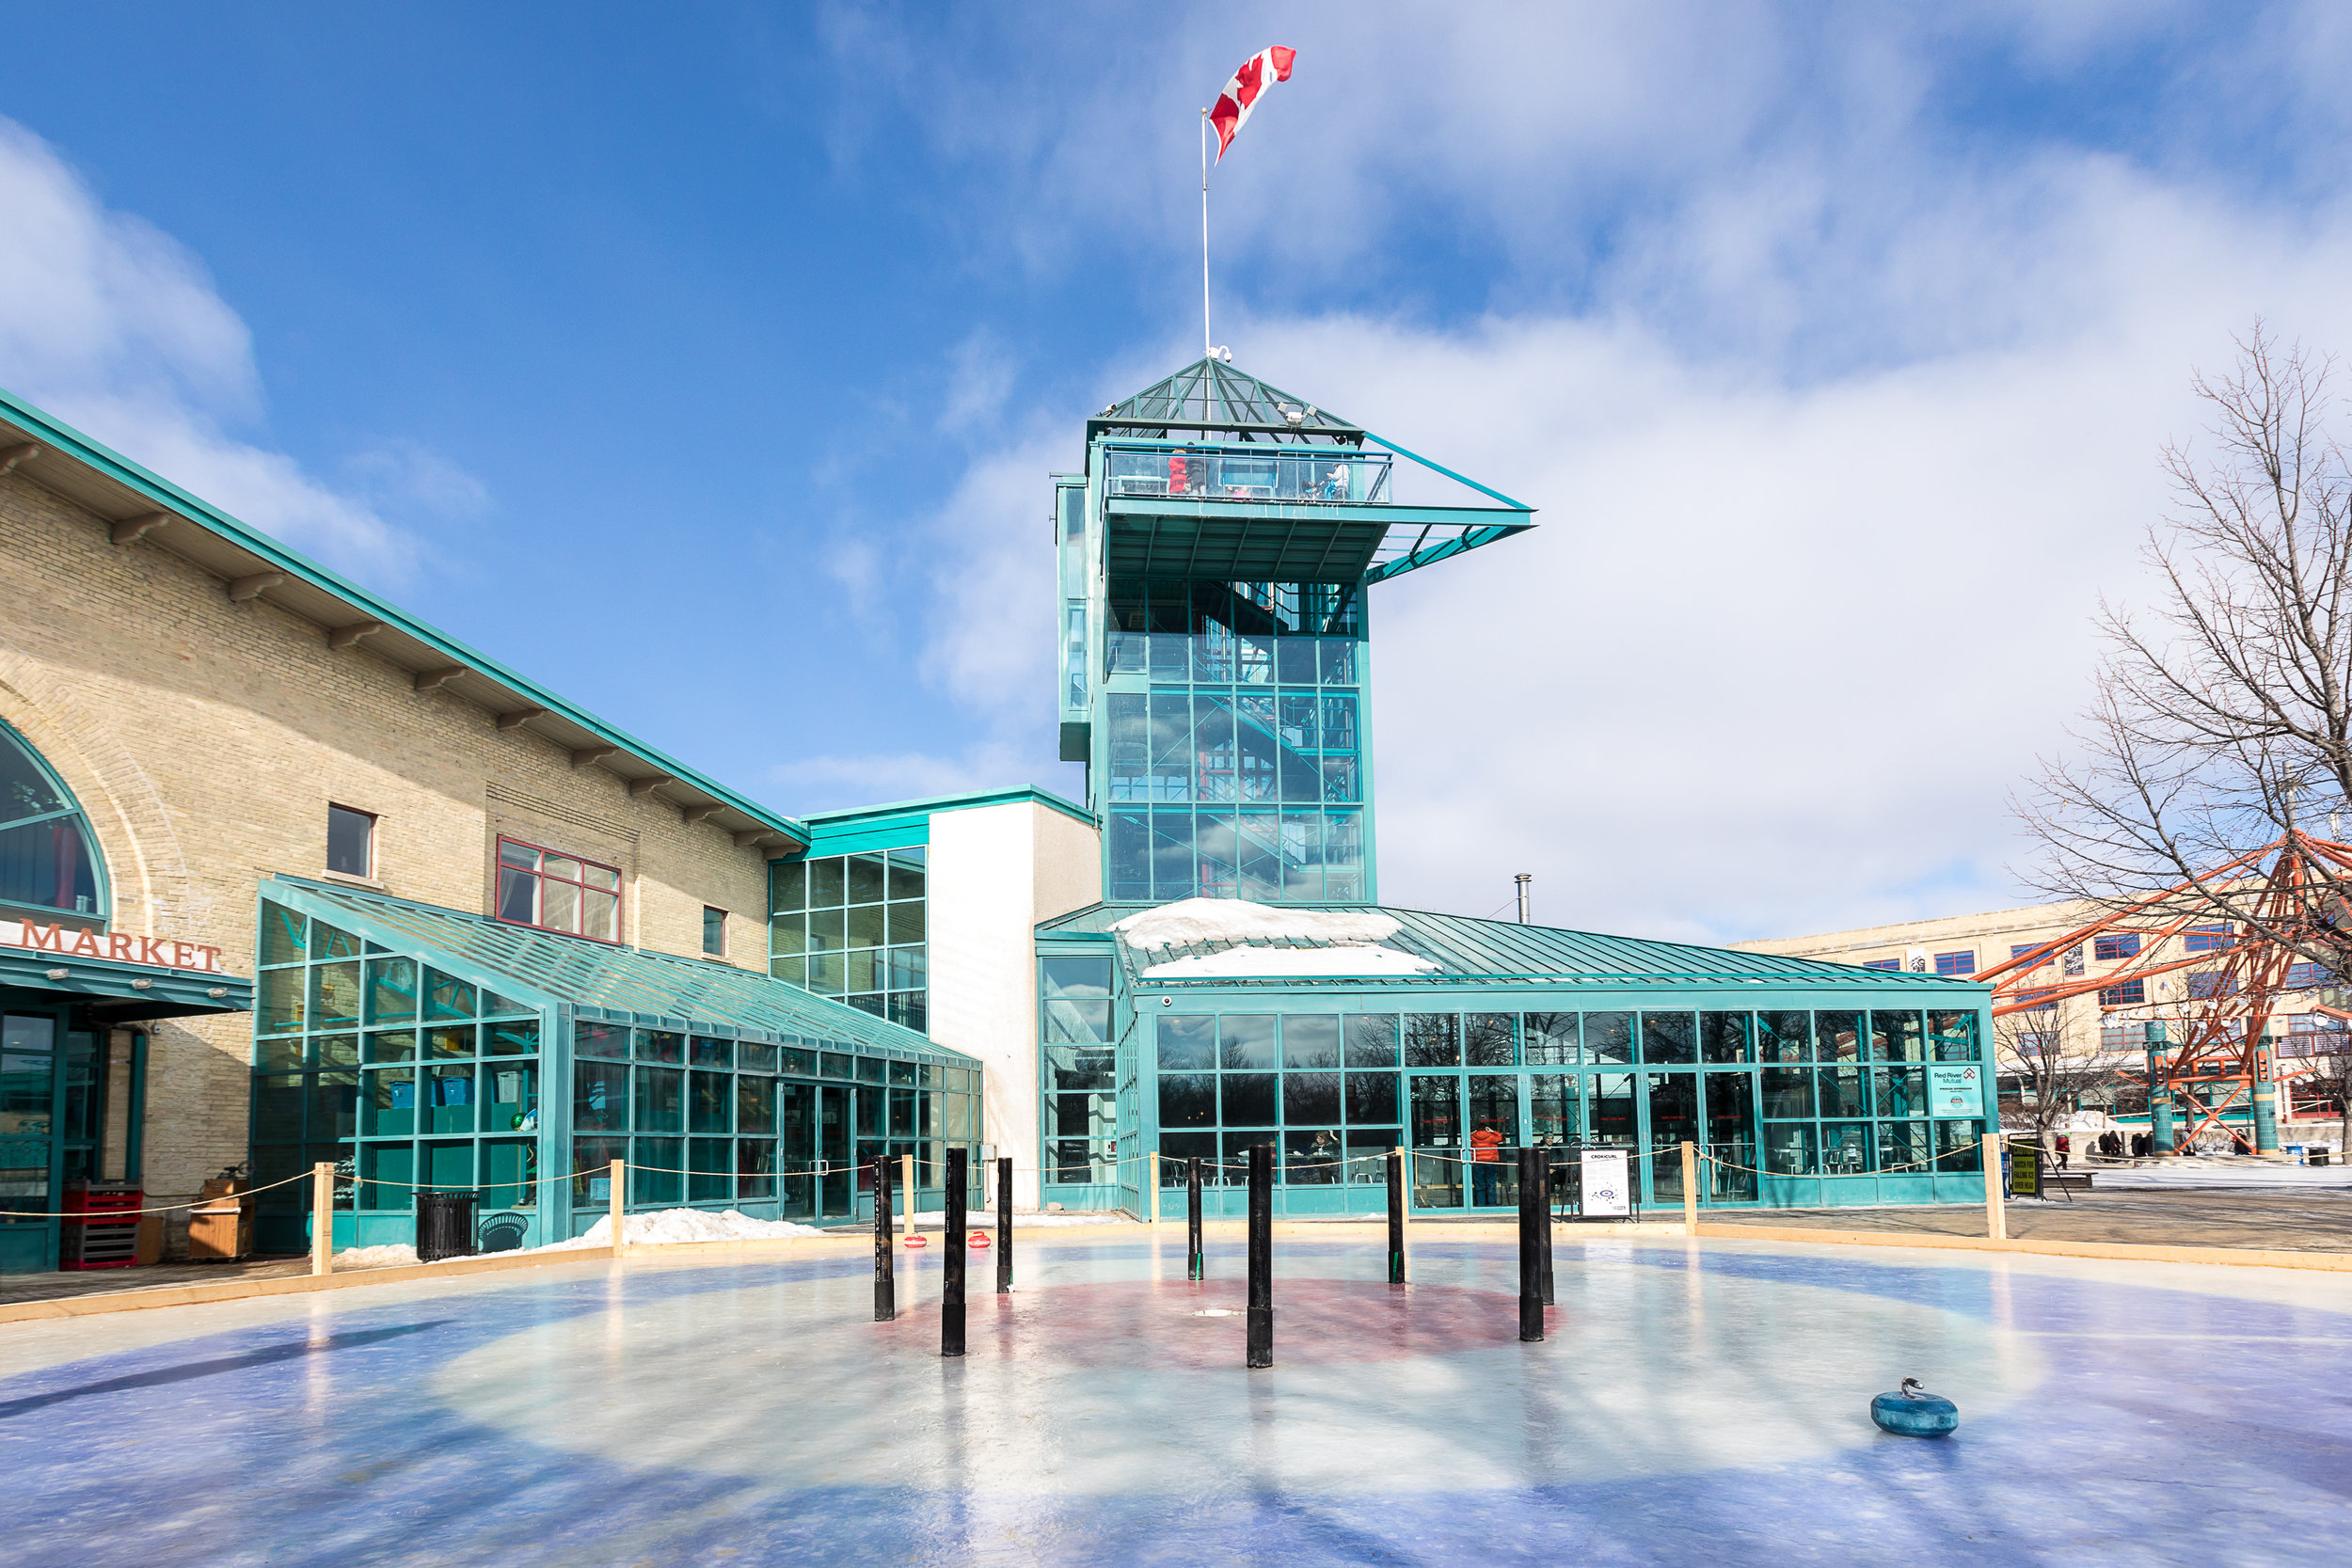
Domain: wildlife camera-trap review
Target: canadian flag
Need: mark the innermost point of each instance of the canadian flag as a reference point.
(1257, 73)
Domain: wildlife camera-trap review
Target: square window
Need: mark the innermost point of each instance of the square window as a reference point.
(2114, 945)
(350, 842)
(1956, 963)
(1882, 963)
(714, 932)
(554, 891)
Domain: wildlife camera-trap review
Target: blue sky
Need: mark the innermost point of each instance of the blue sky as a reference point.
(709, 362)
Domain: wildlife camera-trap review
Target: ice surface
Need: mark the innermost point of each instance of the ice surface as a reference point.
(1346, 959)
(1197, 920)
(2217, 1171)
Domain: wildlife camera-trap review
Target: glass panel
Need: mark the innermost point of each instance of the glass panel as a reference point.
(1673, 1119)
(1608, 1038)
(335, 996)
(755, 1104)
(906, 874)
(1311, 1098)
(1954, 1037)
(387, 1175)
(285, 935)
(1370, 1039)
(709, 1103)
(326, 942)
(276, 1108)
(1895, 1037)
(788, 887)
(1898, 1091)
(707, 1050)
(1788, 1149)
(1670, 1038)
(754, 1057)
(600, 915)
(388, 1105)
(391, 990)
(513, 1038)
(659, 1045)
(511, 854)
(867, 926)
(1783, 1037)
(1372, 1099)
(825, 883)
(1787, 1093)
(1311, 1157)
(284, 999)
(1845, 1147)
(1432, 1039)
(451, 1100)
(280, 1055)
(510, 1092)
(1494, 1136)
(755, 1169)
(560, 865)
(657, 1171)
(604, 878)
(1844, 1090)
(1724, 1038)
(1310, 1040)
(599, 1039)
(1612, 1107)
(392, 1045)
(660, 1099)
(558, 906)
(1489, 1039)
(1250, 1098)
(906, 923)
(1957, 1147)
(1904, 1144)
(1731, 1134)
(519, 896)
(1554, 1113)
(1187, 1100)
(1245, 1040)
(1550, 1039)
(1837, 1036)
(710, 1163)
(1436, 1101)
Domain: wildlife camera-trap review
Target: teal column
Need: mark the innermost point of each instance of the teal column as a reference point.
(2266, 1098)
(2159, 1091)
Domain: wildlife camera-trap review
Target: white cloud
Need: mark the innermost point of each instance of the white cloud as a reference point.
(112, 326)
(1854, 418)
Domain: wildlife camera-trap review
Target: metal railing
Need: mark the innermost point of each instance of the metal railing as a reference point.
(1325, 477)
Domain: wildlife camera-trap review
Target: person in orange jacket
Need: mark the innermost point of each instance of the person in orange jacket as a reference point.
(1485, 1163)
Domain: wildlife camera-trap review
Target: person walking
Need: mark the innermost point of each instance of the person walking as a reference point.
(1485, 1163)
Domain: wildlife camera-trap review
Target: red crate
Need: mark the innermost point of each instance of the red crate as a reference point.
(100, 1227)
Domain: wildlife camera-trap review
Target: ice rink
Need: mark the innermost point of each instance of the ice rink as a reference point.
(1695, 1403)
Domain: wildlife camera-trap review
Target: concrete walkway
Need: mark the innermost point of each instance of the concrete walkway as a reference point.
(2291, 1220)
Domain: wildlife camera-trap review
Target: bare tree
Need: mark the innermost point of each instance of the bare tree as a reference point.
(2054, 1072)
(2222, 716)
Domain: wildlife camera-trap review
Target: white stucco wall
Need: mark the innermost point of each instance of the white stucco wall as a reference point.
(994, 872)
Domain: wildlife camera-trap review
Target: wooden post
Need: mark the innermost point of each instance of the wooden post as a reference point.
(1535, 1228)
(1404, 1213)
(1155, 1189)
(951, 1264)
(885, 1277)
(910, 1203)
(1996, 1213)
(1004, 1225)
(1396, 1216)
(1260, 1324)
(1689, 1188)
(620, 1195)
(323, 1218)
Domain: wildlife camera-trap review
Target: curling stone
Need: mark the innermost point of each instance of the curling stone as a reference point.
(980, 1238)
(1911, 1411)
(917, 1241)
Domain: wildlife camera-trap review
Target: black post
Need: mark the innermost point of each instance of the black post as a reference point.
(1196, 1265)
(951, 1292)
(1003, 1224)
(1261, 1254)
(1531, 1230)
(1543, 1207)
(885, 1287)
(1396, 1218)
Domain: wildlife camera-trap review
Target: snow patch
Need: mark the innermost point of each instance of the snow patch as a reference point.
(1189, 921)
(394, 1257)
(684, 1225)
(1348, 958)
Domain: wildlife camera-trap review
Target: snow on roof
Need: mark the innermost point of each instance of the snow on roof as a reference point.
(1190, 922)
(1342, 958)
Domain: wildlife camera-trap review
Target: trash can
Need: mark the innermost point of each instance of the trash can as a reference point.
(444, 1224)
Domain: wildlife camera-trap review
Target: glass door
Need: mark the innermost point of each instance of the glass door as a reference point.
(1437, 1130)
(1495, 1139)
(29, 1116)
(837, 1189)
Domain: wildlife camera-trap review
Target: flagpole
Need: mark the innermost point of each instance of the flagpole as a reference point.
(1204, 234)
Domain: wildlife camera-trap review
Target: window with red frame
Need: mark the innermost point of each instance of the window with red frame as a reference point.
(557, 892)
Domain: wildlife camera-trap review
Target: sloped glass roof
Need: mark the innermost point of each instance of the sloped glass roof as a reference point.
(655, 990)
(1211, 395)
(1467, 951)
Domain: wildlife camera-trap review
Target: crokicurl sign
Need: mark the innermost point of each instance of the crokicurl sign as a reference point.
(153, 952)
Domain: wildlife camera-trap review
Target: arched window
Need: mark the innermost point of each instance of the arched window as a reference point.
(48, 859)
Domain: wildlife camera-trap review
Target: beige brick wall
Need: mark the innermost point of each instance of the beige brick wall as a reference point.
(205, 739)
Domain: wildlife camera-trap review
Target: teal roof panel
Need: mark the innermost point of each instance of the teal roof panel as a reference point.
(657, 989)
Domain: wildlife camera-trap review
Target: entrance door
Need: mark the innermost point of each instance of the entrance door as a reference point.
(1495, 1139)
(837, 1188)
(30, 1087)
(1437, 1130)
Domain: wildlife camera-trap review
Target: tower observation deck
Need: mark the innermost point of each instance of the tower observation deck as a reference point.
(1215, 651)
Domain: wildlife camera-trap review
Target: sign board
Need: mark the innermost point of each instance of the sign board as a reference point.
(1603, 1176)
(68, 942)
(2024, 1169)
(1955, 1089)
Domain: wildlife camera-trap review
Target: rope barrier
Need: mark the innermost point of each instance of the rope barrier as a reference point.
(1883, 1170)
(105, 1215)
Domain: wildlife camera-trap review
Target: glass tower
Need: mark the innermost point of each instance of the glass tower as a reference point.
(1216, 654)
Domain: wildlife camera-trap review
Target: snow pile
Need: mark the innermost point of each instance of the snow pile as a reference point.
(2218, 1171)
(394, 1257)
(1191, 921)
(685, 1225)
(1351, 937)
(1346, 959)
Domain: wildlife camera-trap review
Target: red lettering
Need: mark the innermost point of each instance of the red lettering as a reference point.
(120, 948)
(212, 958)
(182, 956)
(85, 946)
(44, 939)
(152, 950)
